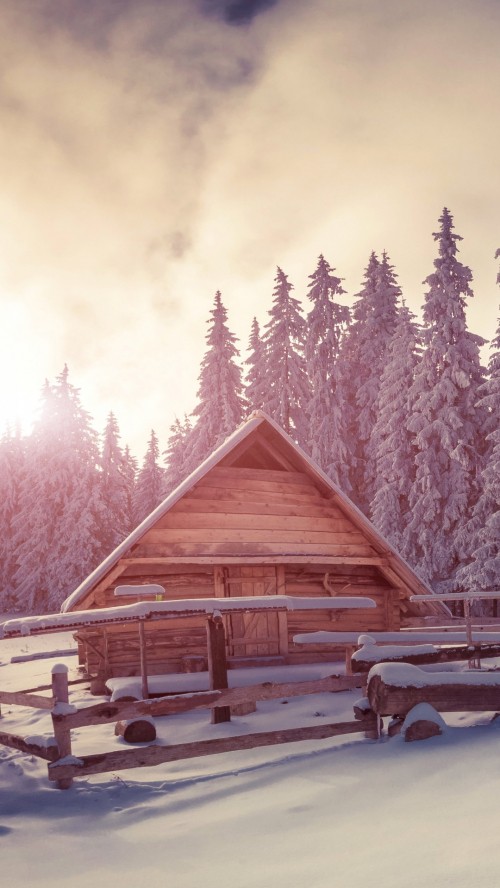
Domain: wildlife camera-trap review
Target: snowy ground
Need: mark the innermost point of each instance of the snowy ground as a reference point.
(341, 812)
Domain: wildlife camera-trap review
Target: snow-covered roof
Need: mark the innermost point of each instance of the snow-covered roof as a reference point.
(254, 421)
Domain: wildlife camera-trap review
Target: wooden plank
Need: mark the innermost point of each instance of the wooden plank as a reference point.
(242, 521)
(22, 698)
(233, 473)
(49, 753)
(247, 484)
(265, 558)
(448, 654)
(258, 535)
(256, 496)
(153, 755)
(245, 506)
(244, 550)
(106, 713)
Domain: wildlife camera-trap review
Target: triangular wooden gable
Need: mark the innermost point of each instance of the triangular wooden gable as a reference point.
(257, 500)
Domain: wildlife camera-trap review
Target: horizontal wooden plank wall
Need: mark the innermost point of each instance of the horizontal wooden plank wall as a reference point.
(244, 512)
(238, 513)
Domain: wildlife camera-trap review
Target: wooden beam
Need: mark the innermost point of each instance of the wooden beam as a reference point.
(23, 698)
(154, 755)
(217, 665)
(62, 733)
(157, 707)
(50, 752)
(369, 560)
(143, 661)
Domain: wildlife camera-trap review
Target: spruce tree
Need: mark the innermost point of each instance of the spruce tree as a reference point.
(446, 419)
(177, 454)
(149, 487)
(12, 464)
(364, 356)
(287, 384)
(482, 570)
(326, 323)
(256, 382)
(221, 404)
(130, 475)
(61, 514)
(115, 489)
(393, 448)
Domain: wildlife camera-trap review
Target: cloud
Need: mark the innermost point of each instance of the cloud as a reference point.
(155, 152)
(236, 12)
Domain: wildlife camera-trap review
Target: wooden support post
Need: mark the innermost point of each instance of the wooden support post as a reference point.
(144, 662)
(62, 735)
(217, 666)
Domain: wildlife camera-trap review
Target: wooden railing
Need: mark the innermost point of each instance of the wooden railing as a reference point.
(63, 766)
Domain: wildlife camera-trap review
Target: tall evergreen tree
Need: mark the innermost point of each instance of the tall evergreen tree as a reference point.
(130, 475)
(326, 323)
(364, 356)
(288, 390)
(61, 514)
(115, 486)
(12, 464)
(150, 482)
(177, 454)
(446, 419)
(256, 382)
(482, 569)
(221, 404)
(393, 448)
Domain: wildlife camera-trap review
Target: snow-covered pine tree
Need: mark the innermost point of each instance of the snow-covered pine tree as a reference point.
(446, 420)
(288, 389)
(57, 530)
(482, 571)
(256, 382)
(221, 404)
(130, 472)
(177, 453)
(392, 447)
(326, 324)
(150, 483)
(364, 356)
(12, 461)
(115, 486)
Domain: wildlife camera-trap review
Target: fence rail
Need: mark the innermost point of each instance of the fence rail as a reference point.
(63, 766)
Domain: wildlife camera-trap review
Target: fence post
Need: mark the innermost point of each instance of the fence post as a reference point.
(217, 666)
(62, 735)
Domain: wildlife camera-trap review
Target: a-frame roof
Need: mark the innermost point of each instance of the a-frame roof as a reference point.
(259, 431)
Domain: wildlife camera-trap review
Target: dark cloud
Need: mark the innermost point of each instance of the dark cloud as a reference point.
(236, 12)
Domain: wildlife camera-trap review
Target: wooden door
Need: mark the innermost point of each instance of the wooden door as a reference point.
(252, 634)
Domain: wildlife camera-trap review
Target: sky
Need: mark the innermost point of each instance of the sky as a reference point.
(154, 152)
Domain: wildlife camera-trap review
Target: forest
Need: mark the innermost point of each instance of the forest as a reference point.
(399, 412)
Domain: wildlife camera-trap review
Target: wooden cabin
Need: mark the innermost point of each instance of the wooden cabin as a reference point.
(258, 517)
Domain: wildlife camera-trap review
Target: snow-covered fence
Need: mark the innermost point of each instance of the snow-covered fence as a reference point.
(68, 767)
(53, 747)
(63, 766)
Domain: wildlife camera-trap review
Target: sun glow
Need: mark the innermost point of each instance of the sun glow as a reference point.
(19, 383)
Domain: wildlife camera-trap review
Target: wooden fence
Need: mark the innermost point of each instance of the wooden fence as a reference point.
(63, 766)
